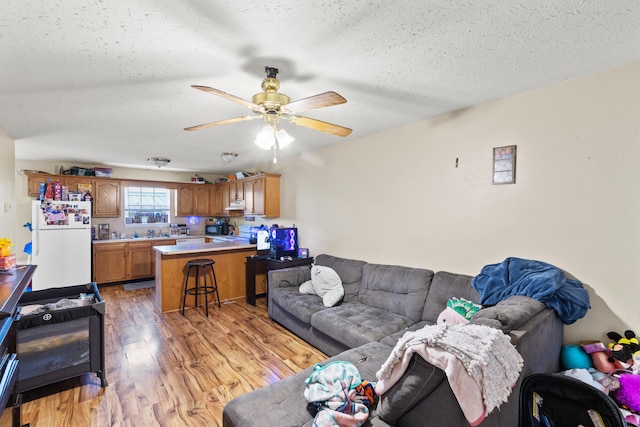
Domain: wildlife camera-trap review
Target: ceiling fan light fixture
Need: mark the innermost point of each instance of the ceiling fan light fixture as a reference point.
(228, 157)
(158, 161)
(266, 138)
(283, 138)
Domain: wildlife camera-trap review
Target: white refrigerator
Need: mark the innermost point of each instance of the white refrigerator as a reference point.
(61, 243)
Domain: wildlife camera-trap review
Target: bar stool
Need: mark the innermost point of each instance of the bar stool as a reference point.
(200, 266)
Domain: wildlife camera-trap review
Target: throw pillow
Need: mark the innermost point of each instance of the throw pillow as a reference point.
(326, 283)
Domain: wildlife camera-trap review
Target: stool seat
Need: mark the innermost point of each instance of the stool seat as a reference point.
(200, 266)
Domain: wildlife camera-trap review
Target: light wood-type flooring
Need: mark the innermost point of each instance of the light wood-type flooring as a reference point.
(170, 370)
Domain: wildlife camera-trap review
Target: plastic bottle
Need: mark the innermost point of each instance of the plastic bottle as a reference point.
(135, 234)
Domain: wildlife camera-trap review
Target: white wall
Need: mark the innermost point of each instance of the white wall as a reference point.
(397, 197)
(7, 189)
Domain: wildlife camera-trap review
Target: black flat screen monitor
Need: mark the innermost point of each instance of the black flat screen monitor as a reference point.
(284, 242)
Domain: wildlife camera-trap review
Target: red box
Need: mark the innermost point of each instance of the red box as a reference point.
(8, 261)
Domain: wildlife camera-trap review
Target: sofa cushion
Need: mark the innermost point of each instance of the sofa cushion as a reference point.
(510, 313)
(354, 324)
(349, 270)
(399, 290)
(301, 306)
(447, 285)
(418, 381)
(283, 402)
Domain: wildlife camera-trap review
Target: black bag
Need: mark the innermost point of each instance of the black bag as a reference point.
(557, 400)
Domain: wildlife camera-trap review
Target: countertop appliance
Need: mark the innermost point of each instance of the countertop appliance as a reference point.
(217, 228)
(61, 243)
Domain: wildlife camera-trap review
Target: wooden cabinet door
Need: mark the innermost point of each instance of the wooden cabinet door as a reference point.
(139, 264)
(258, 196)
(215, 201)
(33, 184)
(225, 197)
(254, 196)
(106, 199)
(201, 200)
(109, 262)
(271, 196)
(236, 190)
(185, 200)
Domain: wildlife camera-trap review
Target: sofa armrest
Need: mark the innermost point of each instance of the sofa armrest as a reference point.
(288, 277)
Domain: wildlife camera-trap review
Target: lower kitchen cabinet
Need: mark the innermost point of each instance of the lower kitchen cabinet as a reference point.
(109, 262)
(121, 261)
(139, 260)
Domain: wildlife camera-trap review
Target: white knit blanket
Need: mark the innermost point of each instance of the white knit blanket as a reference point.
(485, 353)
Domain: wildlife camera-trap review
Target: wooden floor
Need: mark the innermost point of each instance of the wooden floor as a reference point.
(169, 370)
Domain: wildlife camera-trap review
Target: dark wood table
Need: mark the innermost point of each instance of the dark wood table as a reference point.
(12, 286)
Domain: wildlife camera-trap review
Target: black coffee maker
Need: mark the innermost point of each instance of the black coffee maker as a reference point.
(223, 226)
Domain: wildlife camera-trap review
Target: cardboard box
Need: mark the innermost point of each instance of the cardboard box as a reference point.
(8, 261)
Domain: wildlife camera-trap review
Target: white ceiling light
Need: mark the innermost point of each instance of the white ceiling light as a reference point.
(228, 157)
(158, 161)
(269, 136)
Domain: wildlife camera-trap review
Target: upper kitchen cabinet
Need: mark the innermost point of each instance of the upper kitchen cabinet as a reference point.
(194, 199)
(106, 199)
(71, 181)
(262, 195)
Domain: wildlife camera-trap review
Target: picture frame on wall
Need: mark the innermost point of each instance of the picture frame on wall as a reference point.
(504, 165)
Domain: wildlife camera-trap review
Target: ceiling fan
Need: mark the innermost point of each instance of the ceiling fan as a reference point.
(272, 106)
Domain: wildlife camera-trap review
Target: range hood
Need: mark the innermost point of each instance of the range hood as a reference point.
(237, 205)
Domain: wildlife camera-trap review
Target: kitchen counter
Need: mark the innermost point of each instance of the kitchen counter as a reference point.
(230, 259)
(145, 238)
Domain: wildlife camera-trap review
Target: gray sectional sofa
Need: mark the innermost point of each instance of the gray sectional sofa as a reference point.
(381, 303)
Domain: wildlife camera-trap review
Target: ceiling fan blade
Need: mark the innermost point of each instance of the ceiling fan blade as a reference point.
(223, 122)
(318, 125)
(321, 100)
(228, 96)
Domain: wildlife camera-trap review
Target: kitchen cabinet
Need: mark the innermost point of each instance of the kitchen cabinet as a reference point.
(105, 192)
(71, 181)
(194, 199)
(120, 261)
(109, 262)
(262, 195)
(216, 207)
(106, 199)
(139, 260)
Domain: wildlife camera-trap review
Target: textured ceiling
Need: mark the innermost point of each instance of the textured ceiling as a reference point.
(108, 81)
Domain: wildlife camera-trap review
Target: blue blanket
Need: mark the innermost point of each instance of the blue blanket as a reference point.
(544, 282)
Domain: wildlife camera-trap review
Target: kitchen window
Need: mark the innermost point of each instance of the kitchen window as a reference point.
(146, 205)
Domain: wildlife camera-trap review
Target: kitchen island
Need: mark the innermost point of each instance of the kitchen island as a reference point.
(230, 259)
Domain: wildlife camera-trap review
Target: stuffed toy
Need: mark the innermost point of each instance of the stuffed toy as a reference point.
(459, 311)
(325, 283)
(629, 392)
(621, 353)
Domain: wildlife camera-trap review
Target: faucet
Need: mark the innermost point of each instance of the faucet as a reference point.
(151, 233)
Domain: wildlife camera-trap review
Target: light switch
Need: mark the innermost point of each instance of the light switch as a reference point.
(7, 206)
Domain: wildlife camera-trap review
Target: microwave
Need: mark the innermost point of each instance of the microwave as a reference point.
(216, 229)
